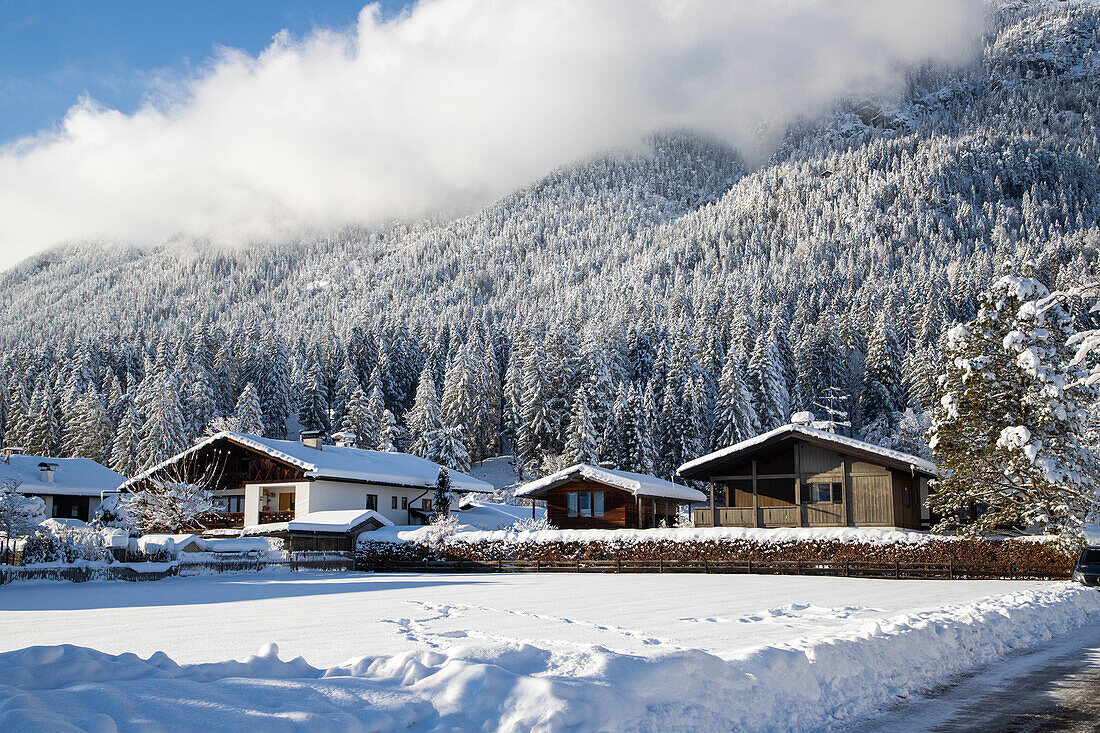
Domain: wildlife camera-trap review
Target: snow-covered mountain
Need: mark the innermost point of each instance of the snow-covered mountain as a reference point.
(647, 270)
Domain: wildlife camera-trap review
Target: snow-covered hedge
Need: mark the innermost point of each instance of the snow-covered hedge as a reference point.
(715, 544)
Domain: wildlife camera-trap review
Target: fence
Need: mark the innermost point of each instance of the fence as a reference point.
(294, 561)
(896, 570)
(83, 573)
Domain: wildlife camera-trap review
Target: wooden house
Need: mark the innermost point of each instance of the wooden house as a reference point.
(588, 497)
(801, 476)
(259, 480)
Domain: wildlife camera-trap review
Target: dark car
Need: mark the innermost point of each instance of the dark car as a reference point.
(1088, 566)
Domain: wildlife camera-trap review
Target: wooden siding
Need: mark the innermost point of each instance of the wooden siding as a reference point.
(905, 488)
(620, 508)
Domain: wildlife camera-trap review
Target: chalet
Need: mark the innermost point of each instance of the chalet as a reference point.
(799, 475)
(587, 497)
(71, 487)
(262, 480)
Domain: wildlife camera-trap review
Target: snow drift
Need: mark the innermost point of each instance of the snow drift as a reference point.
(515, 685)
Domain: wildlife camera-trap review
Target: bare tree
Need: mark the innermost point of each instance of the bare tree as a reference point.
(19, 515)
(176, 497)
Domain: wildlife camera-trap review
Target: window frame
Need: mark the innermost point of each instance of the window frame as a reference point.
(371, 502)
(583, 504)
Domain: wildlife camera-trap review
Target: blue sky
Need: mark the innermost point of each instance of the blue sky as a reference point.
(53, 51)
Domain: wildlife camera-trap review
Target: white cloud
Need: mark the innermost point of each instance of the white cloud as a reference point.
(450, 105)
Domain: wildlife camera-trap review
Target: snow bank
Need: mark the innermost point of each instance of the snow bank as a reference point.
(861, 535)
(174, 544)
(491, 684)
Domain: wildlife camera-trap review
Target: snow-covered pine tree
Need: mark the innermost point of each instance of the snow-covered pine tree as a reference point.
(312, 403)
(734, 417)
(43, 436)
(89, 430)
(247, 416)
(388, 433)
(883, 392)
(358, 419)
(441, 501)
(767, 385)
(449, 448)
(277, 387)
(200, 403)
(423, 419)
(126, 446)
(1008, 432)
(583, 443)
(162, 434)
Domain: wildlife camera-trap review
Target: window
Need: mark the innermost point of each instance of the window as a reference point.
(426, 504)
(372, 501)
(404, 502)
(816, 492)
(585, 503)
(393, 502)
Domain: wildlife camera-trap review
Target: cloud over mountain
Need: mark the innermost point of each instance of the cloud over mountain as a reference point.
(448, 106)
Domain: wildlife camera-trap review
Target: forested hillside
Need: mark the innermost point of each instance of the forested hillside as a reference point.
(640, 308)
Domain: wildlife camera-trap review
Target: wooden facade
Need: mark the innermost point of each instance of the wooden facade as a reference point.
(803, 480)
(621, 508)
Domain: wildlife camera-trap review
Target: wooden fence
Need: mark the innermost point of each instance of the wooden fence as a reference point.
(294, 561)
(896, 570)
(83, 573)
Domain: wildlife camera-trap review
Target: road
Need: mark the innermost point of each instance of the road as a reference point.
(1055, 687)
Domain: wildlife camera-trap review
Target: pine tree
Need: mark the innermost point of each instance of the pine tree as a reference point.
(162, 434)
(883, 389)
(583, 443)
(387, 434)
(313, 404)
(1008, 432)
(449, 448)
(89, 430)
(247, 416)
(734, 417)
(441, 502)
(126, 446)
(423, 419)
(358, 419)
(767, 386)
(200, 403)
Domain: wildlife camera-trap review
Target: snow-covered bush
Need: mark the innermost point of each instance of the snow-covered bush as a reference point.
(59, 542)
(19, 515)
(165, 505)
(111, 512)
(528, 524)
(442, 527)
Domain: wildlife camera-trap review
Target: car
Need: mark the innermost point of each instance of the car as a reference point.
(1088, 566)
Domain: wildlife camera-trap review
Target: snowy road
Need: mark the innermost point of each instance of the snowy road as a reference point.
(1053, 688)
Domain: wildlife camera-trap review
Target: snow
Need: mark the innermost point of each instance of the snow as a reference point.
(483, 515)
(862, 535)
(335, 520)
(175, 543)
(493, 652)
(638, 484)
(72, 476)
(841, 441)
(500, 471)
(341, 463)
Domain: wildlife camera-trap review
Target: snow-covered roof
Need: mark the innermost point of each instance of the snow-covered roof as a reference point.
(71, 476)
(336, 520)
(840, 441)
(340, 463)
(485, 515)
(639, 484)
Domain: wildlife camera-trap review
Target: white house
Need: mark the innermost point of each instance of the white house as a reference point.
(70, 487)
(263, 480)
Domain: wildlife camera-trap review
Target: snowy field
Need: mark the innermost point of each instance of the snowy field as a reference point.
(587, 652)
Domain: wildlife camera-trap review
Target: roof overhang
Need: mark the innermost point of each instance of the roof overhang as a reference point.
(705, 466)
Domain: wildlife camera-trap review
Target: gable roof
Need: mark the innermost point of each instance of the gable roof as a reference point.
(339, 463)
(639, 484)
(71, 477)
(336, 520)
(840, 443)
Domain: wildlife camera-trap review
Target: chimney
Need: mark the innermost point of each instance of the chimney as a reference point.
(802, 418)
(311, 438)
(46, 471)
(343, 440)
(10, 451)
